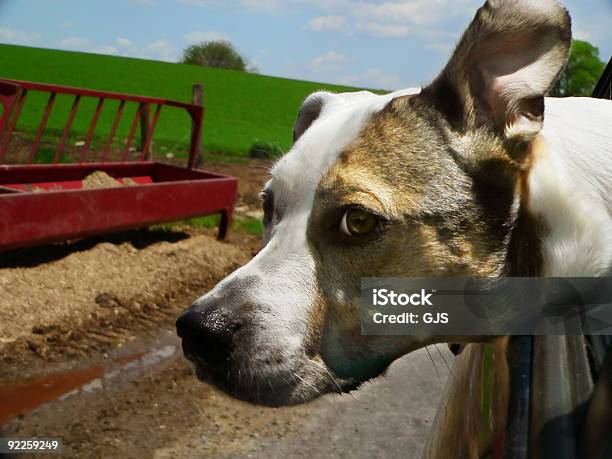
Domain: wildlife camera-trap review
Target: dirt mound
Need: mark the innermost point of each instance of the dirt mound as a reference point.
(100, 179)
(87, 301)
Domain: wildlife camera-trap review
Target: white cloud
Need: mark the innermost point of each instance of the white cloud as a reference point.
(328, 23)
(274, 6)
(377, 29)
(200, 36)
(441, 47)
(582, 34)
(261, 6)
(79, 43)
(330, 58)
(17, 37)
(402, 18)
(389, 18)
(414, 11)
(270, 6)
(85, 45)
(159, 46)
(253, 66)
(123, 42)
(105, 49)
(380, 18)
(202, 2)
(372, 78)
(161, 49)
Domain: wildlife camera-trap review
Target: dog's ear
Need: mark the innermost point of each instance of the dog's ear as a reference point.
(309, 111)
(505, 62)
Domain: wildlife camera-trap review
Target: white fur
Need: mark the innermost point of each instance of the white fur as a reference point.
(571, 186)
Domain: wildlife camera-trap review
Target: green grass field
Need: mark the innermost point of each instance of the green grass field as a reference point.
(243, 225)
(241, 108)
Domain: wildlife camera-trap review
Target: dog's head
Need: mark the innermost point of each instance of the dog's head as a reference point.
(411, 184)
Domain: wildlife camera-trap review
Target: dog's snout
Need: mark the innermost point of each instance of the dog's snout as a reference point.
(208, 334)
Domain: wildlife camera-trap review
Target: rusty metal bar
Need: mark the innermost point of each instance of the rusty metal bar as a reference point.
(195, 149)
(41, 127)
(146, 150)
(13, 95)
(95, 93)
(113, 131)
(6, 110)
(92, 128)
(130, 138)
(4, 142)
(8, 107)
(8, 93)
(194, 157)
(62, 142)
(144, 130)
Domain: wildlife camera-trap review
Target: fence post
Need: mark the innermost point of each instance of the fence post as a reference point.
(196, 99)
(144, 132)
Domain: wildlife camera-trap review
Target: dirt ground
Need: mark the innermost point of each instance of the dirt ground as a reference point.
(88, 296)
(110, 303)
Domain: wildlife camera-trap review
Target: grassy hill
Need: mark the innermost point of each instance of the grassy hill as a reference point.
(241, 108)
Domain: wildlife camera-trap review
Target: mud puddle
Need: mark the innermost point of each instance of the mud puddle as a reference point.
(123, 366)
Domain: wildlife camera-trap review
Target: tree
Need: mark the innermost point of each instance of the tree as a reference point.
(220, 54)
(580, 75)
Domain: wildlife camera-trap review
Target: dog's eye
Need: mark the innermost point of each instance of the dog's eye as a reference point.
(267, 199)
(358, 222)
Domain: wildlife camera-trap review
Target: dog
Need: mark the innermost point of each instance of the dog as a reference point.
(476, 175)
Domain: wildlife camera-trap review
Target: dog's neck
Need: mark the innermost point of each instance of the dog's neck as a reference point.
(564, 227)
(524, 257)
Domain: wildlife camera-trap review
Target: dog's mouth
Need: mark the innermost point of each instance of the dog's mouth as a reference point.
(290, 384)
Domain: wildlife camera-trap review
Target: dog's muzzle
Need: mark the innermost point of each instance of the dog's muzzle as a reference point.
(247, 352)
(208, 337)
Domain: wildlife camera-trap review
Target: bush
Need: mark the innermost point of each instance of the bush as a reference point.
(265, 150)
(581, 73)
(220, 54)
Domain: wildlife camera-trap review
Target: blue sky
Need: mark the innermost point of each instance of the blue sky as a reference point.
(373, 43)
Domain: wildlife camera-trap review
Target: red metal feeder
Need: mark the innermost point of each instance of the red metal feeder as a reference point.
(43, 203)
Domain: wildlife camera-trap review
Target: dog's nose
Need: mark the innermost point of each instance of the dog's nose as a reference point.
(207, 334)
